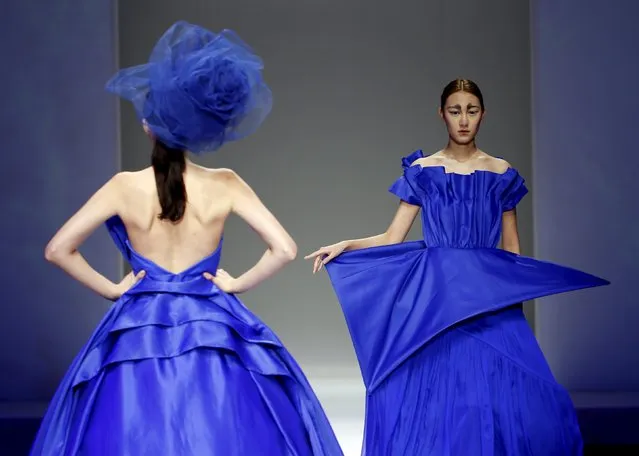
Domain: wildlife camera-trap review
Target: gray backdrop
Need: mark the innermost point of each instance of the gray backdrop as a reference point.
(356, 86)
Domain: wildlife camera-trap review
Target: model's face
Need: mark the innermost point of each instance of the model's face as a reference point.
(462, 115)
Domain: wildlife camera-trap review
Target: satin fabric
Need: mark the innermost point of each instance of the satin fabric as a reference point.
(178, 367)
(450, 365)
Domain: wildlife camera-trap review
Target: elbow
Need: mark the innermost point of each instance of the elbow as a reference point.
(51, 253)
(54, 253)
(287, 252)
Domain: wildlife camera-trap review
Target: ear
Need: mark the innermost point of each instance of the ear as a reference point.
(440, 112)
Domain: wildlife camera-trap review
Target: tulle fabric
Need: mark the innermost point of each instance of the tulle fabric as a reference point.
(199, 90)
(179, 367)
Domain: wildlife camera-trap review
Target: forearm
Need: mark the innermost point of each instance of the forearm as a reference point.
(512, 249)
(270, 263)
(77, 267)
(511, 246)
(372, 241)
(510, 233)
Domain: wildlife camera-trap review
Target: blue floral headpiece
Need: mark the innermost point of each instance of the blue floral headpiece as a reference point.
(199, 90)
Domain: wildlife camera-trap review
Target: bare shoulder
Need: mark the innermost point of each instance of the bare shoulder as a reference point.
(492, 163)
(434, 159)
(223, 176)
(241, 196)
(120, 181)
(130, 180)
(227, 178)
(132, 176)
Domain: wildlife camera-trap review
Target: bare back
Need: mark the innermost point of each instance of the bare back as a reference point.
(176, 246)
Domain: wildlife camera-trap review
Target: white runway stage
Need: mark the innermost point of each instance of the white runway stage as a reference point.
(343, 399)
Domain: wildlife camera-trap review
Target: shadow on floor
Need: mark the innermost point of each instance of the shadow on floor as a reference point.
(16, 435)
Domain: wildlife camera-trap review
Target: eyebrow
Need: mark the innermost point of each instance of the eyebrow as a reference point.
(459, 107)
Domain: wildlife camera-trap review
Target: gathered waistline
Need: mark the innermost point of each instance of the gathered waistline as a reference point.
(196, 286)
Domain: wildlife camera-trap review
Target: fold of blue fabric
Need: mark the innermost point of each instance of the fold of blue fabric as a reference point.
(397, 298)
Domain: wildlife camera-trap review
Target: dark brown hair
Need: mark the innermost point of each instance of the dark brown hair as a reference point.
(168, 166)
(461, 85)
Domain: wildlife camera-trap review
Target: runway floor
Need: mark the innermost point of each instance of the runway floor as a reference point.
(610, 422)
(343, 400)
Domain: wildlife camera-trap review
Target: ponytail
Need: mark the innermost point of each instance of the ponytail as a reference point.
(169, 165)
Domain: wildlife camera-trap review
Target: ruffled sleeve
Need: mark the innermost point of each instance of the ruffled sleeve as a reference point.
(514, 191)
(402, 187)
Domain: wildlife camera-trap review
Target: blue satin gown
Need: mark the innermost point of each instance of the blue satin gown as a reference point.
(179, 368)
(450, 365)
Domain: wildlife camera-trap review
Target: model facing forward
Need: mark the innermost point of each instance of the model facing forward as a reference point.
(450, 364)
(179, 366)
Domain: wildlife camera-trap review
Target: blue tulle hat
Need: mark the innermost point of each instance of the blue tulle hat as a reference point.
(199, 90)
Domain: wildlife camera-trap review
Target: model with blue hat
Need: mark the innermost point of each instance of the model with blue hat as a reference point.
(178, 365)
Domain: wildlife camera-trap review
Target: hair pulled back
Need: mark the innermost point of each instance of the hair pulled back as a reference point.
(169, 165)
(461, 85)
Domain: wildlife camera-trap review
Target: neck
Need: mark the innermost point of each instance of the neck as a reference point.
(460, 152)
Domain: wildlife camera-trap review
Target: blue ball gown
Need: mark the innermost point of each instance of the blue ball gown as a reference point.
(451, 366)
(179, 368)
